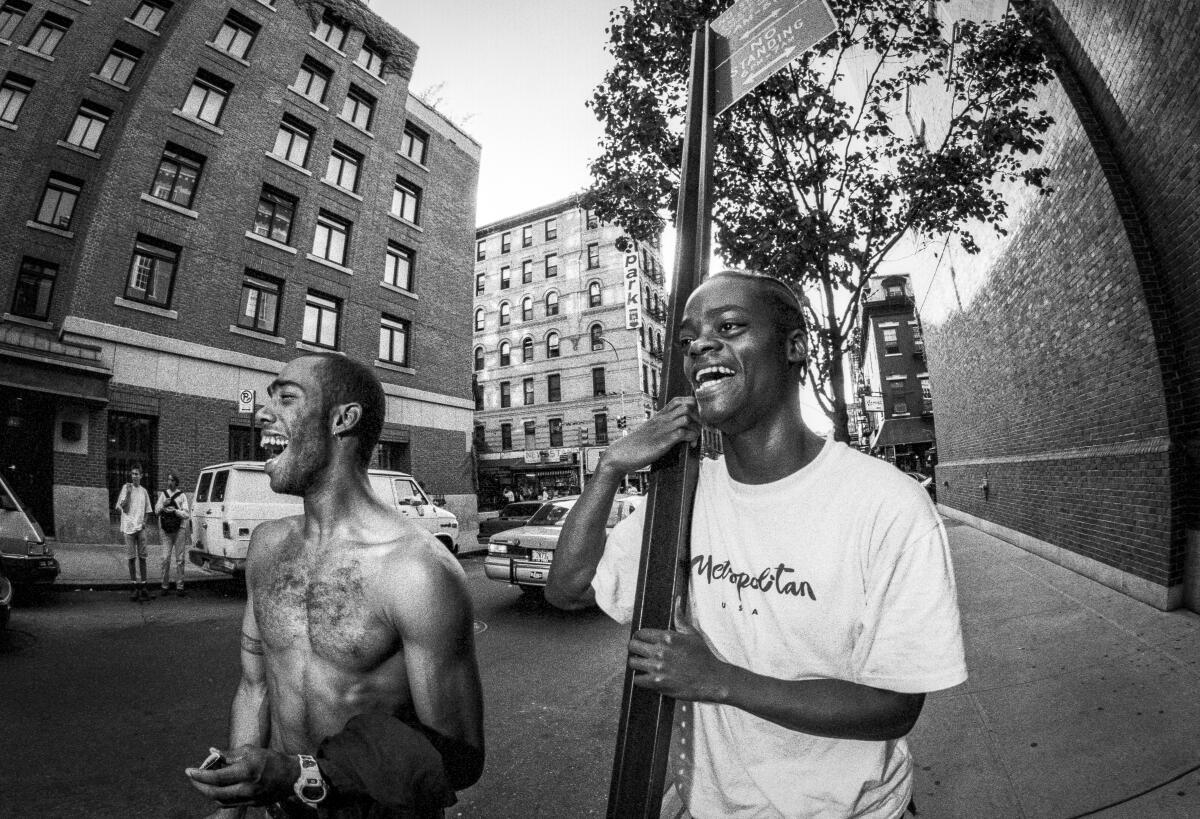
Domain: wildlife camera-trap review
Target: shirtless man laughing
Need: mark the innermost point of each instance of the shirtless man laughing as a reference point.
(360, 694)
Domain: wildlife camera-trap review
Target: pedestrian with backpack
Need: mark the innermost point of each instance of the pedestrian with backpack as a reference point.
(172, 509)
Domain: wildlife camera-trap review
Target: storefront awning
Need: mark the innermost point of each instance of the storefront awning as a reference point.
(86, 384)
(902, 431)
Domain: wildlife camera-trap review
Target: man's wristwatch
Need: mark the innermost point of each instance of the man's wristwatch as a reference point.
(310, 787)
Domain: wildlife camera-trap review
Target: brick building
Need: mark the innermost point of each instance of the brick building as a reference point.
(193, 193)
(568, 341)
(1066, 356)
(895, 397)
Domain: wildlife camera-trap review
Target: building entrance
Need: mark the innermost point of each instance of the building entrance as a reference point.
(27, 451)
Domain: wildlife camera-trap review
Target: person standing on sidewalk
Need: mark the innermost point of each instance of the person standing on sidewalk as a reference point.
(821, 602)
(172, 510)
(134, 504)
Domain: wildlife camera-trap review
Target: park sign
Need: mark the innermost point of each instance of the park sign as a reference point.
(756, 38)
(633, 290)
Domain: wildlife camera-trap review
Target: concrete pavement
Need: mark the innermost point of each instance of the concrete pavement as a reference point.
(1081, 701)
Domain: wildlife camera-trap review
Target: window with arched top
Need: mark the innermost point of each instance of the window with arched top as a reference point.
(478, 359)
(527, 308)
(505, 353)
(527, 349)
(658, 338)
(505, 313)
(597, 334)
(479, 319)
(552, 303)
(552, 345)
(594, 294)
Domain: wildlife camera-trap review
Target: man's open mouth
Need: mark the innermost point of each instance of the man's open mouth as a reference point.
(274, 444)
(706, 378)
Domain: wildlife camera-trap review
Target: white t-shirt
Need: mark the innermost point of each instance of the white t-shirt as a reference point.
(134, 520)
(840, 570)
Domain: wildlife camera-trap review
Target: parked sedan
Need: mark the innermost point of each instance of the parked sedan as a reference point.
(522, 556)
(23, 551)
(510, 517)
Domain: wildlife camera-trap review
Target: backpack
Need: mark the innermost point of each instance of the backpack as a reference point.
(168, 521)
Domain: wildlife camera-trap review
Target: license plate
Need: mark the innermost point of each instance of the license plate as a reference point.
(543, 555)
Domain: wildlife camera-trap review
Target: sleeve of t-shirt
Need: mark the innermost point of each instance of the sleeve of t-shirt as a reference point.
(615, 581)
(911, 640)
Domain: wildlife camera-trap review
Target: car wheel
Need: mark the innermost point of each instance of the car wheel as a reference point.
(449, 544)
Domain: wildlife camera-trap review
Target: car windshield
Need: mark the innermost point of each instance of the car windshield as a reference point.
(551, 514)
(520, 510)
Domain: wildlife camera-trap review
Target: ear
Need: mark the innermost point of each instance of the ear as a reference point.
(797, 346)
(344, 417)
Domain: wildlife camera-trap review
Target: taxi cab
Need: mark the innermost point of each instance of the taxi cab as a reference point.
(522, 556)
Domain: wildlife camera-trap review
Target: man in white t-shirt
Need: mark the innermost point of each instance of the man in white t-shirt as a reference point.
(133, 503)
(822, 603)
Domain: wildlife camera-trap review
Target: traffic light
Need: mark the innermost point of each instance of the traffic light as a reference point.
(621, 422)
(584, 437)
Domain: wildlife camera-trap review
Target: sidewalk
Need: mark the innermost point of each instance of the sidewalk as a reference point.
(1079, 698)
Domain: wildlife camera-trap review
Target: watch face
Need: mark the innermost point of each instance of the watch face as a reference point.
(313, 792)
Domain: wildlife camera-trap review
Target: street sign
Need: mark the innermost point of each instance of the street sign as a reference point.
(873, 403)
(245, 401)
(756, 38)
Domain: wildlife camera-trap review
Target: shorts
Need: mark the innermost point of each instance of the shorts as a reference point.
(135, 544)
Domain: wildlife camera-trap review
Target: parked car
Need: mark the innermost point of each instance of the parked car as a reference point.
(6, 596)
(232, 499)
(26, 558)
(522, 556)
(510, 517)
(926, 481)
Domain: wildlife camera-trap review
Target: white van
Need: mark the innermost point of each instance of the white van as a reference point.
(233, 498)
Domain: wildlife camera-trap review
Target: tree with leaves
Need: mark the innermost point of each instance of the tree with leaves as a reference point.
(819, 173)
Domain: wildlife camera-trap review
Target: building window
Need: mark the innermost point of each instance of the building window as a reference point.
(330, 32)
(505, 277)
(406, 201)
(393, 455)
(479, 319)
(119, 64)
(393, 340)
(551, 265)
(330, 238)
(343, 167)
(554, 388)
(13, 93)
(505, 242)
(926, 394)
(505, 314)
(506, 437)
(149, 15)
(898, 386)
(552, 228)
(275, 214)
(592, 220)
(505, 396)
(556, 432)
(322, 315)
(479, 437)
(35, 285)
(601, 419)
(480, 251)
(530, 435)
(593, 251)
(152, 272)
(527, 308)
(552, 344)
(177, 176)
(11, 15)
(58, 201)
(891, 344)
(552, 303)
(527, 349)
(292, 141)
(527, 391)
(597, 337)
(413, 143)
(88, 126)
(594, 294)
(480, 283)
(527, 236)
(48, 34)
(313, 80)
(598, 381)
(505, 353)
(369, 60)
(358, 108)
(893, 290)
(259, 309)
(131, 440)
(206, 98)
(236, 35)
(398, 266)
(527, 271)
(478, 359)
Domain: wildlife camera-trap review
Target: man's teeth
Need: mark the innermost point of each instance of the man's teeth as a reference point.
(708, 376)
(272, 441)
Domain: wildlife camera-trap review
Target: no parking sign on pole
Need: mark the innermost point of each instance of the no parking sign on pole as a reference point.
(245, 401)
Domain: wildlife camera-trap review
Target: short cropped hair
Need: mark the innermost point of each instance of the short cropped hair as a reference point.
(348, 381)
(786, 309)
